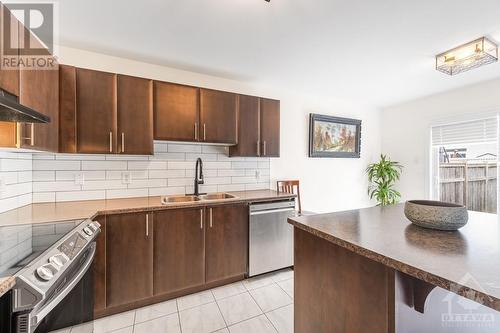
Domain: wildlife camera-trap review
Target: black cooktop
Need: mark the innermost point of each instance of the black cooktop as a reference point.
(20, 244)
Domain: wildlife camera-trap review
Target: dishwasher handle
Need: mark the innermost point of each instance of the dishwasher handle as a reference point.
(271, 211)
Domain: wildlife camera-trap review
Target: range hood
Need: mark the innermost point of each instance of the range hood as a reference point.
(12, 111)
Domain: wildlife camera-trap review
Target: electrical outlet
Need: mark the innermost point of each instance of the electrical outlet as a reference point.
(126, 177)
(257, 174)
(79, 178)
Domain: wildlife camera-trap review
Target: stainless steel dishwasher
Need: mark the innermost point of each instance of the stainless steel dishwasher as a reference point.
(271, 236)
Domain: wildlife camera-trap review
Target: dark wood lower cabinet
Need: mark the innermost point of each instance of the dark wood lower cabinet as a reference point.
(226, 242)
(144, 258)
(129, 258)
(100, 267)
(179, 250)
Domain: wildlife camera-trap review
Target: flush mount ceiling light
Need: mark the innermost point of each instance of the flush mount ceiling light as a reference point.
(471, 55)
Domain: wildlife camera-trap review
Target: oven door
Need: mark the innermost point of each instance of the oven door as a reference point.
(73, 301)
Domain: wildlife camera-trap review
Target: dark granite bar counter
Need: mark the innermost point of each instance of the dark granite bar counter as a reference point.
(465, 262)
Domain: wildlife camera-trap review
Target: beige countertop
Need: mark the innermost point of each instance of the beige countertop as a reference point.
(464, 261)
(74, 210)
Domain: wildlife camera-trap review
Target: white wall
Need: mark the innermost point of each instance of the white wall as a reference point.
(406, 129)
(326, 184)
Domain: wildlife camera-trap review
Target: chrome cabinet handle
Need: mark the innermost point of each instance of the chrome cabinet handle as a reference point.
(123, 142)
(264, 144)
(201, 218)
(258, 147)
(211, 218)
(204, 132)
(110, 142)
(147, 225)
(196, 131)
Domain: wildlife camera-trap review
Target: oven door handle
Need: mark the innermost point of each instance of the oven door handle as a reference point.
(45, 310)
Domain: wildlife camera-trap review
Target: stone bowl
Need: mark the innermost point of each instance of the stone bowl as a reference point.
(436, 215)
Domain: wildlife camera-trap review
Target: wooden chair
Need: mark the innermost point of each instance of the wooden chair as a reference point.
(289, 186)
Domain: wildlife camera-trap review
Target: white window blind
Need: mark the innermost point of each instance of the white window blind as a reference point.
(475, 131)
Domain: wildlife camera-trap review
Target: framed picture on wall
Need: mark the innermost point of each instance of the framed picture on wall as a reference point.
(334, 136)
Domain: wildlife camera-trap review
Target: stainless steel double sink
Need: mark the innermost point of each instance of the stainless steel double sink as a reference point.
(191, 198)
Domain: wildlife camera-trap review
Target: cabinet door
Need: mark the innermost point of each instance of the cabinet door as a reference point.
(135, 115)
(179, 250)
(67, 109)
(100, 267)
(129, 258)
(218, 116)
(39, 90)
(248, 127)
(270, 127)
(175, 112)
(95, 111)
(9, 26)
(226, 242)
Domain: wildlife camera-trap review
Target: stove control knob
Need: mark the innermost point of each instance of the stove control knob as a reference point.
(44, 273)
(94, 226)
(88, 231)
(58, 260)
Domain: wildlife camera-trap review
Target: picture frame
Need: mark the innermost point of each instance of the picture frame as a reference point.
(334, 137)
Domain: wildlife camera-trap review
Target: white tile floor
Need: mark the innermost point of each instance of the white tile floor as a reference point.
(263, 304)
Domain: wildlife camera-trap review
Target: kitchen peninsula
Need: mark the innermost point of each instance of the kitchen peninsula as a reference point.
(353, 269)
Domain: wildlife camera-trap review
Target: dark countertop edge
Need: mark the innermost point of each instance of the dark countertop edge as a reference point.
(467, 292)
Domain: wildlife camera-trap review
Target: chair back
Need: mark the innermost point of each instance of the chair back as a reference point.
(292, 187)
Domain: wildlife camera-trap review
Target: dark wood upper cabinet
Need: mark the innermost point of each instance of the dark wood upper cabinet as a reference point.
(67, 109)
(9, 26)
(39, 90)
(248, 127)
(226, 242)
(129, 258)
(175, 112)
(218, 116)
(135, 115)
(179, 250)
(95, 111)
(270, 127)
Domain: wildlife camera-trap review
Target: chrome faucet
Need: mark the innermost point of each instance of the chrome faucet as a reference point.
(198, 180)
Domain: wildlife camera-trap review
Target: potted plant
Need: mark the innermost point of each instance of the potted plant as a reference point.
(382, 176)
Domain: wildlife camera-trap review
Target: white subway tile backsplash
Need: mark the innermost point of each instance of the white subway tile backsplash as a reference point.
(183, 148)
(104, 165)
(103, 185)
(159, 174)
(46, 177)
(87, 175)
(40, 165)
(80, 195)
(244, 165)
(204, 157)
(41, 176)
(147, 183)
(127, 193)
(167, 191)
(148, 165)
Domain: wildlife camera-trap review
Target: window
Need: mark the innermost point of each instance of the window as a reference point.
(464, 163)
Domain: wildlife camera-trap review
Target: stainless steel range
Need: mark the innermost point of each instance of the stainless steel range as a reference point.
(49, 276)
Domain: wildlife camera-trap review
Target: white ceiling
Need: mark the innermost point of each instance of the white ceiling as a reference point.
(379, 52)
